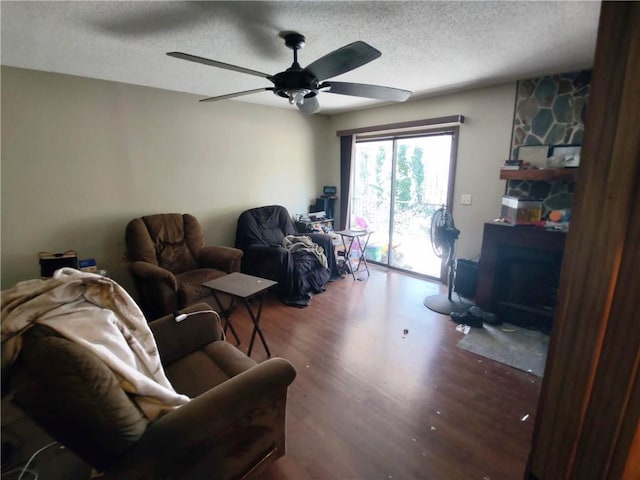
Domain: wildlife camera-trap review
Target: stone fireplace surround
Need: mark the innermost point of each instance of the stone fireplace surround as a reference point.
(519, 267)
(549, 110)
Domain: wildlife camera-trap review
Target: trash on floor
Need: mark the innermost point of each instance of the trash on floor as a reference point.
(463, 328)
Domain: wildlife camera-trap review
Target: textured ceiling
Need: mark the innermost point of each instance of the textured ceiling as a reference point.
(427, 47)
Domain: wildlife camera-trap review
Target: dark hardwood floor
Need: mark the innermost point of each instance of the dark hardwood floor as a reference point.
(373, 402)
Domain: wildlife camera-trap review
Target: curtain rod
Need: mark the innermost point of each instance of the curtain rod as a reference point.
(400, 125)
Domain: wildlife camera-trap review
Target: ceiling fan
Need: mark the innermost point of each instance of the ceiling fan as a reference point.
(302, 85)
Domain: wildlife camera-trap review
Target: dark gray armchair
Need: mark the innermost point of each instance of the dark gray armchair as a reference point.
(299, 274)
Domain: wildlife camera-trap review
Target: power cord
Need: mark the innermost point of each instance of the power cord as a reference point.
(463, 300)
(25, 469)
(179, 317)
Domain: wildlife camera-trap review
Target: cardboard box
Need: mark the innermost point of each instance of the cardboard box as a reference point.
(88, 265)
(521, 211)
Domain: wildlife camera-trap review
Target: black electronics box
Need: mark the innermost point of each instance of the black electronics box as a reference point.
(466, 278)
(329, 191)
(50, 262)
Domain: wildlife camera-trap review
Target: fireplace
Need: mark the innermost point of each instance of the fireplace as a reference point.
(518, 274)
(526, 286)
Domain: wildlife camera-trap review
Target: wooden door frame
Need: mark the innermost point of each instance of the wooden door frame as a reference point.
(587, 421)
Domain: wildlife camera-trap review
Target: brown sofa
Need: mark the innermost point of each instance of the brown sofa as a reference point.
(170, 262)
(234, 423)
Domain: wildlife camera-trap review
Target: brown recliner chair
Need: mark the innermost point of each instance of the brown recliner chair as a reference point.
(170, 262)
(234, 423)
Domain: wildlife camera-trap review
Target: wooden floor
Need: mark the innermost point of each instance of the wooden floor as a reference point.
(371, 402)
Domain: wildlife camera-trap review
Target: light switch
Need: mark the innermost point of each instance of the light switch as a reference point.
(465, 199)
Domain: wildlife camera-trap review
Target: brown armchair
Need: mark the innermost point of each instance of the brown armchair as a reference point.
(169, 262)
(234, 423)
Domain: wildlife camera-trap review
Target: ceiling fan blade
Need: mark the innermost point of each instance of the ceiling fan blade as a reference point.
(237, 94)
(343, 60)
(368, 91)
(310, 106)
(214, 63)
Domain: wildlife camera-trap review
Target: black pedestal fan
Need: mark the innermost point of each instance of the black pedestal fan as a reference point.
(443, 238)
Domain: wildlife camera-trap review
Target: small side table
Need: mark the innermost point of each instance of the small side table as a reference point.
(355, 236)
(243, 287)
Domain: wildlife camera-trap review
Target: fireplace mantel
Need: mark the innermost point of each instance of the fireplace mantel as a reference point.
(499, 237)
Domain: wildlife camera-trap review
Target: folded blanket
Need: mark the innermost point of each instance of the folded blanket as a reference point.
(296, 243)
(97, 313)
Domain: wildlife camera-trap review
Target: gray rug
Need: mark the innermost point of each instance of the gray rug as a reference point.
(509, 344)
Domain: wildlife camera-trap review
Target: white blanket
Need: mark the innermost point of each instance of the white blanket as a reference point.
(295, 243)
(97, 313)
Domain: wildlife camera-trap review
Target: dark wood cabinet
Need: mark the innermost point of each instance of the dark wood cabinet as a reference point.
(520, 257)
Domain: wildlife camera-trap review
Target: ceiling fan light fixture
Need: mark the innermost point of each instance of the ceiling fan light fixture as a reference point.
(296, 95)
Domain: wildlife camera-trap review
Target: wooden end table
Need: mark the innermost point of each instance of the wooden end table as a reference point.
(242, 287)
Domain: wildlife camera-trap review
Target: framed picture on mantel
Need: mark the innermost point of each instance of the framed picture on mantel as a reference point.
(567, 155)
(534, 155)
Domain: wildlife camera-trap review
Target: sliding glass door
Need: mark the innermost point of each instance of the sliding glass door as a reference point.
(396, 184)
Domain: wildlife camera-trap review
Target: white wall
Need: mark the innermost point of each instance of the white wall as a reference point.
(484, 144)
(82, 157)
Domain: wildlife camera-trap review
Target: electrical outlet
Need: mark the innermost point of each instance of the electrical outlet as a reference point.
(465, 199)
